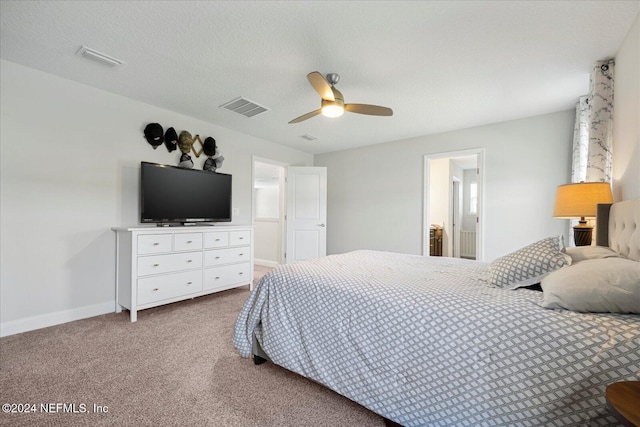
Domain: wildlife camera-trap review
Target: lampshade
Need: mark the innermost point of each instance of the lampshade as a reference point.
(581, 199)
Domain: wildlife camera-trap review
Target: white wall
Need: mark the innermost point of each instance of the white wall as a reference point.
(626, 118)
(267, 203)
(455, 174)
(439, 198)
(267, 232)
(267, 238)
(70, 158)
(468, 220)
(375, 193)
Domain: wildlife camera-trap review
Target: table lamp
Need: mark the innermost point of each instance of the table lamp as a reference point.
(580, 201)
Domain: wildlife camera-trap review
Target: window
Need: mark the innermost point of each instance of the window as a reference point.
(473, 198)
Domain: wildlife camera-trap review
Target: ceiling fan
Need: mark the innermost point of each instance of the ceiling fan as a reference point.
(333, 102)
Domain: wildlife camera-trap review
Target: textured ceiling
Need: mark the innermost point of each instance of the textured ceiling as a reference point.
(440, 65)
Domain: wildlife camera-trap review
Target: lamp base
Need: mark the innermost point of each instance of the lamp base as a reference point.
(582, 235)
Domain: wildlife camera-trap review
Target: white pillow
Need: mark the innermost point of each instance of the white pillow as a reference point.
(582, 253)
(610, 285)
(530, 264)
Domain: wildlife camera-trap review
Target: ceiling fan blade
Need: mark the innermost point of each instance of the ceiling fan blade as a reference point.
(306, 116)
(371, 110)
(321, 85)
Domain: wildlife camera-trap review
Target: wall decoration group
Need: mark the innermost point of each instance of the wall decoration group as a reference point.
(156, 136)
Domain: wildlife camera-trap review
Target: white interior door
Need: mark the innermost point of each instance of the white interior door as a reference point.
(306, 213)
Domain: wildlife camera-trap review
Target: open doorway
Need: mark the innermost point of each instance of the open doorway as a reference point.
(269, 207)
(452, 204)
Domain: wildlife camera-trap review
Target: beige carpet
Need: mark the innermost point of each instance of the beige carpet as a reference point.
(175, 366)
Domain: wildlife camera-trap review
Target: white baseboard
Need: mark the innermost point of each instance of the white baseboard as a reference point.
(265, 263)
(51, 319)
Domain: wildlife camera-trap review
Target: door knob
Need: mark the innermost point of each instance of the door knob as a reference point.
(320, 225)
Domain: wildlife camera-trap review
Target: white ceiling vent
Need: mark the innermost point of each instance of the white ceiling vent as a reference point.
(244, 107)
(94, 55)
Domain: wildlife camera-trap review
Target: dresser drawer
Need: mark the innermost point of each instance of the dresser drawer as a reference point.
(221, 277)
(227, 256)
(239, 238)
(154, 244)
(158, 288)
(187, 241)
(156, 264)
(216, 239)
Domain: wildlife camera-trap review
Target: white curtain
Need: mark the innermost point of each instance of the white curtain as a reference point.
(593, 130)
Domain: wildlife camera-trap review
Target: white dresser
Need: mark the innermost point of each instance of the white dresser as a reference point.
(161, 265)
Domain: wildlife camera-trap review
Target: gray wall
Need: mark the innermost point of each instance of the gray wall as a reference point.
(70, 165)
(375, 193)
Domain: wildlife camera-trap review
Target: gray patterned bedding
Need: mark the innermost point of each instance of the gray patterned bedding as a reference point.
(424, 341)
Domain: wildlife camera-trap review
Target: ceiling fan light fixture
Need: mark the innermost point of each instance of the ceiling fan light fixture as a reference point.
(333, 102)
(332, 109)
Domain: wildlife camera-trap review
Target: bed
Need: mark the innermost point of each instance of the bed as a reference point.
(433, 341)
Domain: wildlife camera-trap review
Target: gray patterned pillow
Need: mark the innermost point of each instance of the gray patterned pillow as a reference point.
(530, 264)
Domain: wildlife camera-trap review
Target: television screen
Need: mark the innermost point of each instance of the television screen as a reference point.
(171, 194)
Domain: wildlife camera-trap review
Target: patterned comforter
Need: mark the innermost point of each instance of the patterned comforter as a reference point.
(425, 341)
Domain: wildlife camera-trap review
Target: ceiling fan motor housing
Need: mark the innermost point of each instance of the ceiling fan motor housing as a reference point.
(333, 78)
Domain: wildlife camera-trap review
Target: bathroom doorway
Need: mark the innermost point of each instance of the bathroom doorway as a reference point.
(269, 208)
(453, 204)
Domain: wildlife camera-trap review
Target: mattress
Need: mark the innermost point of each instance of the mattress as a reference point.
(425, 341)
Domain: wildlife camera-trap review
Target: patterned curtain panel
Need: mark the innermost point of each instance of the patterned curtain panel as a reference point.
(580, 141)
(593, 131)
(600, 162)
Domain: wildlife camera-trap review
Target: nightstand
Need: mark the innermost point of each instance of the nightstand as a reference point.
(623, 400)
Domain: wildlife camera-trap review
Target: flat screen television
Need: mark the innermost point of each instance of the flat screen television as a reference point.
(171, 195)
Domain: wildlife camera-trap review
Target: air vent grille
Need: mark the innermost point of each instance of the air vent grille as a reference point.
(104, 59)
(244, 107)
(309, 137)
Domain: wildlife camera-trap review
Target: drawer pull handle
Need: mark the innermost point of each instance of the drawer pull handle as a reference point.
(156, 289)
(217, 277)
(217, 240)
(156, 244)
(240, 254)
(189, 260)
(217, 257)
(188, 283)
(156, 265)
(189, 241)
(241, 273)
(241, 238)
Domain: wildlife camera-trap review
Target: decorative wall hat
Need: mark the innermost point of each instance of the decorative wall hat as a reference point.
(185, 141)
(211, 164)
(171, 139)
(153, 134)
(215, 159)
(209, 146)
(185, 161)
(218, 159)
